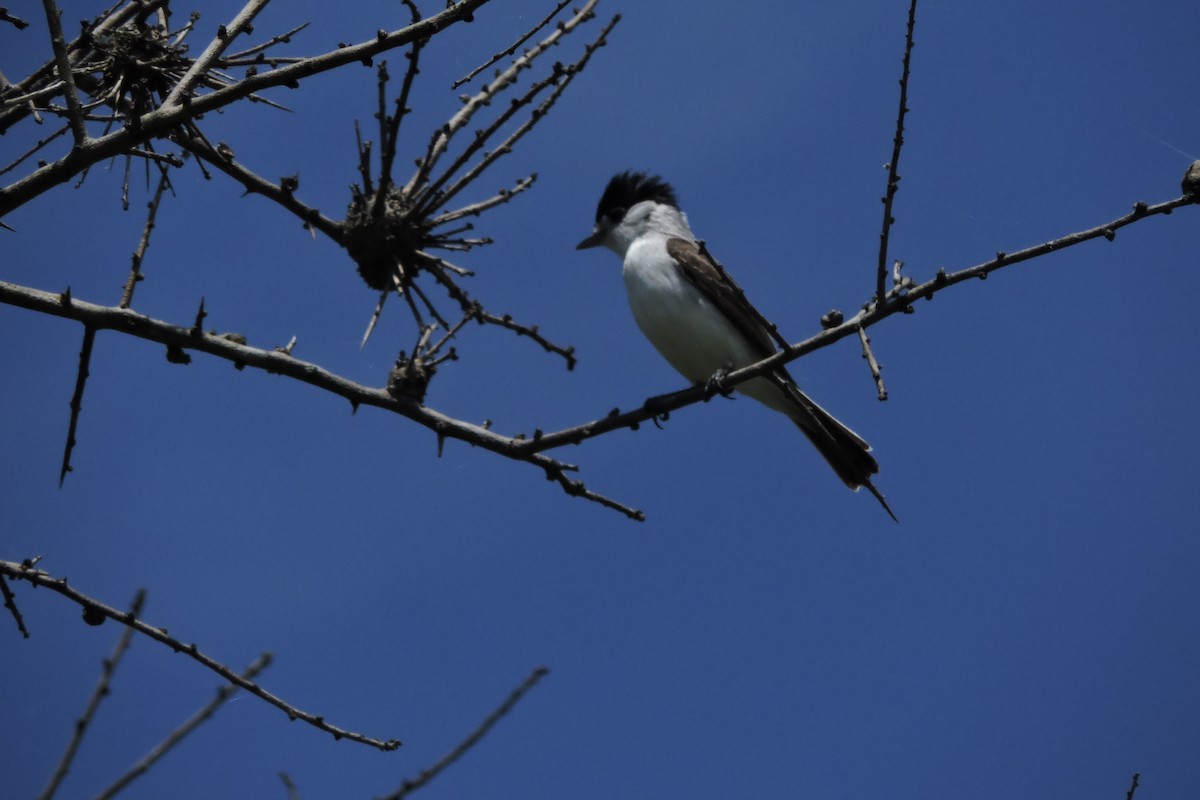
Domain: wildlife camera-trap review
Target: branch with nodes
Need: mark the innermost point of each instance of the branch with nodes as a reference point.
(392, 232)
(429, 773)
(280, 361)
(95, 612)
(202, 715)
(893, 181)
(10, 602)
(16, 22)
(152, 105)
(98, 694)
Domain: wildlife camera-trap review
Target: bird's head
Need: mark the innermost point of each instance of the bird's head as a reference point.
(627, 210)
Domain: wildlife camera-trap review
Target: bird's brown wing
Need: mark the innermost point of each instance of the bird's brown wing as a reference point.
(715, 284)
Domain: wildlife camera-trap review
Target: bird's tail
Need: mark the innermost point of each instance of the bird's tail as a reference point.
(846, 451)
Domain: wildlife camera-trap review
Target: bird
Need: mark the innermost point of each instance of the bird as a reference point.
(700, 321)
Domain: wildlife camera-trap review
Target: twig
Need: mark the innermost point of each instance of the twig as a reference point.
(383, 296)
(511, 48)
(475, 209)
(437, 266)
(897, 142)
(98, 694)
(1133, 786)
(429, 773)
(17, 22)
(433, 196)
(255, 184)
(390, 126)
(176, 736)
(10, 602)
(293, 792)
(225, 36)
(95, 610)
(167, 118)
(135, 267)
(439, 143)
(180, 338)
(506, 321)
(59, 43)
(872, 363)
(40, 144)
(283, 38)
(85, 360)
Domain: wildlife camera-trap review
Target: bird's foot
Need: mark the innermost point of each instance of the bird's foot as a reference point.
(658, 407)
(715, 385)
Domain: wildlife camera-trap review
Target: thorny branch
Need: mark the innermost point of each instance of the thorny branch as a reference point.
(143, 125)
(59, 43)
(81, 376)
(392, 231)
(10, 602)
(893, 166)
(459, 750)
(17, 22)
(394, 241)
(98, 694)
(179, 339)
(176, 736)
(508, 51)
(96, 612)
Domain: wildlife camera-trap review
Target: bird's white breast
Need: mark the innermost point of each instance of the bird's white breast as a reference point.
(687, 329)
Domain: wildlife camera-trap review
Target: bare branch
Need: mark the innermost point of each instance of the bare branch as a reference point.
(433, 197)
(283, 38)
(176, 736)
(225, 36)
(475, 209)
(223, 159)
(872, 363)
(98, 694)
(179, 339)
(428, 774)
(440, 141)
(59, 43)
(293, 792)
(390, 126)
(17, 22)
(135, 267)
(165, 119)
(10, 602)
(95, 610)
(81, 376)
(897, 142)
(511, 48)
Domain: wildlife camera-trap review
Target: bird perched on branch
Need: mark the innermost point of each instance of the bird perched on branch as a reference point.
(700, 320)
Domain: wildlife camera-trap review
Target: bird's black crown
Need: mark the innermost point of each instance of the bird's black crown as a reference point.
(627, 189)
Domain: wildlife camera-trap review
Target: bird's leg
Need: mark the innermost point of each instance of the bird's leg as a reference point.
(716, 384)
(659, 406)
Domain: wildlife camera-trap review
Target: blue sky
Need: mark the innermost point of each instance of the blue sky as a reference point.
(1029, 628)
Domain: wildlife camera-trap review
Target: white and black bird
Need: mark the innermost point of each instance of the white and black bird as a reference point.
(699, 319)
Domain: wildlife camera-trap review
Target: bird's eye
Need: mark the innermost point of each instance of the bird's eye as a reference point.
(616, 214)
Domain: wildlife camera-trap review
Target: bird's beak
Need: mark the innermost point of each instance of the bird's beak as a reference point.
(595, 240)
